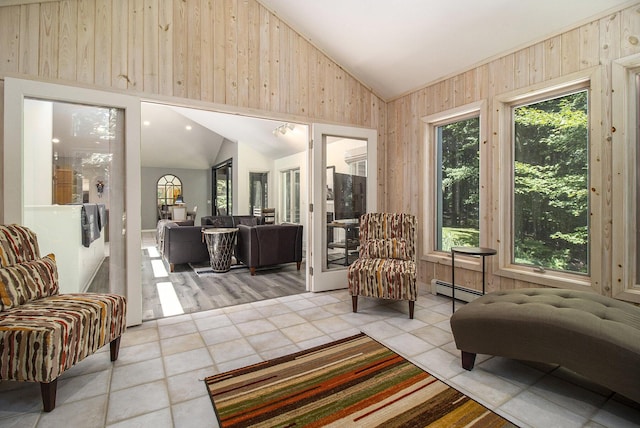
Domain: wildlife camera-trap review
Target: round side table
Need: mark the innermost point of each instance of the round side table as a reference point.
(220, 242)
(468, 251)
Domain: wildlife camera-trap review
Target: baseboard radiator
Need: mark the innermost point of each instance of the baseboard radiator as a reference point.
(462, 293)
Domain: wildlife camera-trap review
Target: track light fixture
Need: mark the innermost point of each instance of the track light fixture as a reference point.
(284, 128)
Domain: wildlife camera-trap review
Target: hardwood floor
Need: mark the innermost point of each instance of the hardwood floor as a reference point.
(167, 293)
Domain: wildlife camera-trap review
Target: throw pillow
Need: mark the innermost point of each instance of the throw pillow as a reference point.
(18, 244)
(28, 281)
(395, 248)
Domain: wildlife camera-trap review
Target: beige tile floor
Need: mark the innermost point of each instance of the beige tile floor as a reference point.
(157, 380)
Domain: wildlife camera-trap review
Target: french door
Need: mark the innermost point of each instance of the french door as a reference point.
(71, 146)
(344, 161)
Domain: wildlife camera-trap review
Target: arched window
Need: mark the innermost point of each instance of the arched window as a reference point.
(169, 188)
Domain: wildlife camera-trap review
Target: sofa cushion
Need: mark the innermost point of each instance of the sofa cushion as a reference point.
(18, 244)
(41, 339)
(383, 278)
(216, 221)
(24, 282)
(395, 248)
(246, 220)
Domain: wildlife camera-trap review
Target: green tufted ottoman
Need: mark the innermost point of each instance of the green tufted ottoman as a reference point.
(593, 335)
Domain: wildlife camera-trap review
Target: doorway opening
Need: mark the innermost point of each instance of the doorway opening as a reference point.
(232, 168)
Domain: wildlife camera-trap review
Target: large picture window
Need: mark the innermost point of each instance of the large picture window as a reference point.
(552, 188)
(625, 179)
(455, 200)
(551, 183)
(458, 197)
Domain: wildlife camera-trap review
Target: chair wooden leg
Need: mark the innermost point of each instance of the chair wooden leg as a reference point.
(468, 360)
(298, 264)
(48, 391)
(253, 271)
(354, 303)
(412, 305)
(114, 347)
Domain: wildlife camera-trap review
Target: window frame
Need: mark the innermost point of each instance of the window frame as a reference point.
(625, 143)
(164, 200)
(429, 128)
(503, 105)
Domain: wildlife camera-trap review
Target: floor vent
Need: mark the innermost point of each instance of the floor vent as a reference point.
(462, 293)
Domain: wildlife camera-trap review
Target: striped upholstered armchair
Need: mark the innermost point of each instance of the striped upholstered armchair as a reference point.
(386, 267)
(43, 333)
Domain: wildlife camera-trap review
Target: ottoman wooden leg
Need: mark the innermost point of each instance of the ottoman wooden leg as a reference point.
(412, 305)
(114, 347)
(354, 303)
(48, 391)
(468, 360)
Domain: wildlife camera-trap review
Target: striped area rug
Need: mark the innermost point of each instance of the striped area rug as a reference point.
(351, 382)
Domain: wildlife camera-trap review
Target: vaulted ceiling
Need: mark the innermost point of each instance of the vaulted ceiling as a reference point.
(398, 46)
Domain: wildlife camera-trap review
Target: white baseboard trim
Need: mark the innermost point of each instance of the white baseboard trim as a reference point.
(462, 293)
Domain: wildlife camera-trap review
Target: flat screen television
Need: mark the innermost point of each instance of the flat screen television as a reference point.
(350, 196)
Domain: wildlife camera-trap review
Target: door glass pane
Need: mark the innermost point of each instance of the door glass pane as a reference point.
(295, 197)
(346, 199)
(258, 192)
(290, 195)
(74, 191)
(222, 189)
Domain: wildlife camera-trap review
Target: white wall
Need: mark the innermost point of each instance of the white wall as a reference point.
(37, 144)
(59, 231)
(194, 190)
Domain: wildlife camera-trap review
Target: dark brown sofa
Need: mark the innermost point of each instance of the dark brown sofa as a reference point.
(183, 244)
(267, 245)
(228, 220)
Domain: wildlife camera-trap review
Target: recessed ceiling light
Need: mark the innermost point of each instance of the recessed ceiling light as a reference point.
(146, 123)
(188, 127)
(55, 140)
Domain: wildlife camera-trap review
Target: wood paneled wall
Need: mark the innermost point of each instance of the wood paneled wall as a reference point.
(226, 52)
(594, 44)
(232, 52)
(236, 53)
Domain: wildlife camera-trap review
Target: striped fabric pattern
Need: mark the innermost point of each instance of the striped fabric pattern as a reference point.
(43, 333)
(382, 234)
(389, 226)
(28, 281)
(383, 278)
(41, 339)
(18, 244)
(351, 382)
(387, 249)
